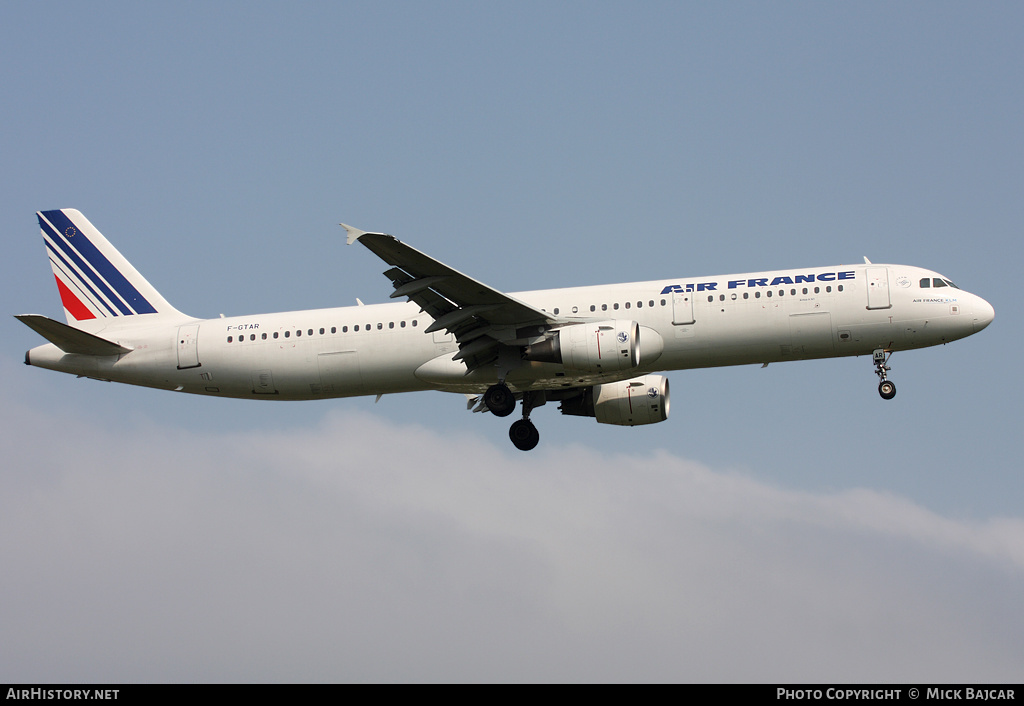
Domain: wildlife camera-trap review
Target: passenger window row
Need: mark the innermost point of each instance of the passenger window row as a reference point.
(615, 306)
(769, 293)
(322, 331)
(593, 308)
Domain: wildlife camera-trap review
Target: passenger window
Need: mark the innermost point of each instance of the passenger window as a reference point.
(769, 293)
(604, 307)
(651, 303)
(275, 334)
(391, 324)
(711, 298)
(356, 327)
(298, 333)
(252, 336)
(615, 306)
(321, 332)
(805, 290)
(663, 302)
(840, 288)
(344, 329)
(746, 295)
(229, 339)
(556, 311)
(414, 322)
(757, 295)
(627, 305)
(287, 334)
(310, 332)
(380, 326)
(817, 290)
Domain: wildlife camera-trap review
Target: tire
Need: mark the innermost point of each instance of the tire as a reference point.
(887, 390)
(524, 435)
(500, 400)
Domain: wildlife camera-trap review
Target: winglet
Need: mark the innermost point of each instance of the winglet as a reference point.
(355, 234)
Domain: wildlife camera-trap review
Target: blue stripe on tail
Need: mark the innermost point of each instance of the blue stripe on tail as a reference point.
(63, 232)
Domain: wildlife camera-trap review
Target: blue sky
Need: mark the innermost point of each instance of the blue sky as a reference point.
(532, 146)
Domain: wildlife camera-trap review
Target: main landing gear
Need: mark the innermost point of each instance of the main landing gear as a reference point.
(500, 400)
(886, 388)
(522, 433)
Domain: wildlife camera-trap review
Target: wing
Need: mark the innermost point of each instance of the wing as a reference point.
(483, 320)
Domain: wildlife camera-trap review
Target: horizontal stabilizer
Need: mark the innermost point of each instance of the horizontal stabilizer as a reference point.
(70, 339)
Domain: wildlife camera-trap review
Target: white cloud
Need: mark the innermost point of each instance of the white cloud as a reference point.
(364, 550)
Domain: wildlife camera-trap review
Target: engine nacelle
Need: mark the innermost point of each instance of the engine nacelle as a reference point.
(600, 347)
(642, 400)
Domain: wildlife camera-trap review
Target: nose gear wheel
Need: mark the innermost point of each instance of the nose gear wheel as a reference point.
(886, 388)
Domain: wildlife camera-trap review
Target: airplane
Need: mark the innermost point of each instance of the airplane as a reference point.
(599, 351)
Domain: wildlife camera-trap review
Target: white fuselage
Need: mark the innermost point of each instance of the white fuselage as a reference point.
(377, 349)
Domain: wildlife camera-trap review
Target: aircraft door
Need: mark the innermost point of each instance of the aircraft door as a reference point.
(682, 308)
(188, 351)
(878, 288)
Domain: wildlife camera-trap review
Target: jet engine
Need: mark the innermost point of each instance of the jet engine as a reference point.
(600, 347)
(642, 400)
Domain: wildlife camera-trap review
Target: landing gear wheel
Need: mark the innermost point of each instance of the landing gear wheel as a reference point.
(524, 435)
(500, 400)
(885, 388)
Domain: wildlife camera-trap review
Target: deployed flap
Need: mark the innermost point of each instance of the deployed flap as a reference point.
(465, 307)
(70, 339)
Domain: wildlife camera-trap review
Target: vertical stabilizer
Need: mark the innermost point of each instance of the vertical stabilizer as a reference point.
(97, 285)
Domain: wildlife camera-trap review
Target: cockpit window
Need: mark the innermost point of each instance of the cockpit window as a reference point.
(927, 282)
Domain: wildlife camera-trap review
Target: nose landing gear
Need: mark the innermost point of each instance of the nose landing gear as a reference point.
(886, 388)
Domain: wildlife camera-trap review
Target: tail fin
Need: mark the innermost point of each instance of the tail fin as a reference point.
(95, 281)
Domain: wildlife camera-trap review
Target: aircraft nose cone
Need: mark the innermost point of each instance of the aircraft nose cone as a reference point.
(983, 314)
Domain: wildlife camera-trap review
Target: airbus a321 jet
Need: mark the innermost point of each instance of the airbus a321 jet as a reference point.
(597, 351)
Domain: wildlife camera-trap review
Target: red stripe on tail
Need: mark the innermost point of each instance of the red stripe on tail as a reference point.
(72, 303)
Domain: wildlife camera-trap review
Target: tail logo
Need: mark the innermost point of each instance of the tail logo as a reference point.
(91, 285)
